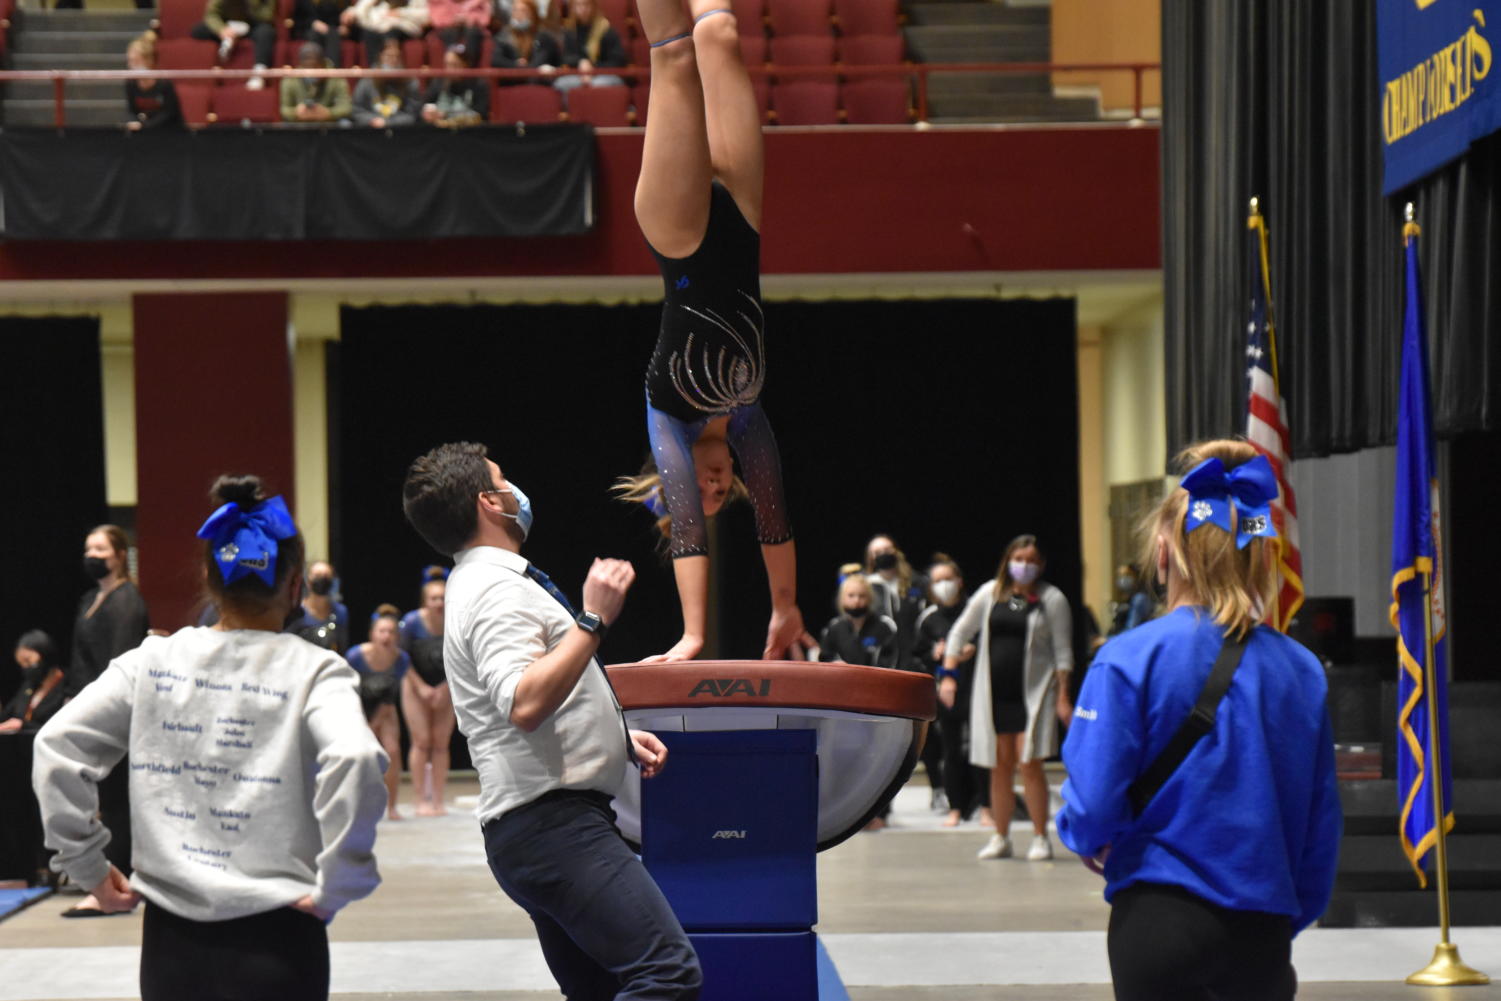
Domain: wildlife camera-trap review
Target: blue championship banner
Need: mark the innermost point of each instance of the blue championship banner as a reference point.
(1438, 94)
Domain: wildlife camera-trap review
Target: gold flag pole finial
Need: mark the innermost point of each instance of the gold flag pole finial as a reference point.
(1410, 228)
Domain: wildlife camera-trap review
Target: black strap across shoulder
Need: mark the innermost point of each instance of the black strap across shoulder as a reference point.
(1193, 729)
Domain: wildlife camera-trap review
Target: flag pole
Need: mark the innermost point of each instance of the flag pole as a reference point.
(1446, 969)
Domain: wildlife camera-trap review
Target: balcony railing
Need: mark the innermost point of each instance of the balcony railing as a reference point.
(918, 73)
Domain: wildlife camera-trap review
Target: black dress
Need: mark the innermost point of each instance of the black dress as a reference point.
(1008, 665)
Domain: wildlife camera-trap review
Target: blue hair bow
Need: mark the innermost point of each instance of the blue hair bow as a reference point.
(1252, 486)
(245, 539)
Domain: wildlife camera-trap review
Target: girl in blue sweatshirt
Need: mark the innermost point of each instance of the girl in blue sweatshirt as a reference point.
(1234, 855)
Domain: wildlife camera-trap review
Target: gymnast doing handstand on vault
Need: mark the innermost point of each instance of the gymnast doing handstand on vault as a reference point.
(698, 202)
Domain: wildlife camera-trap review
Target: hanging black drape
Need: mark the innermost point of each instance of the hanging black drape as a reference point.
(1279, 99)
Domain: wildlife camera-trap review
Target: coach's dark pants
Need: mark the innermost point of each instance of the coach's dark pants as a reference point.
(1167, 944)
(605, 928)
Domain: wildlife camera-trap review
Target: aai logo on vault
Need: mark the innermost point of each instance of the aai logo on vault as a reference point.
(728, 835)
(724, 687)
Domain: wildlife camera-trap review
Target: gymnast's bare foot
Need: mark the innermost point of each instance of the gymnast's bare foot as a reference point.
(394, 814)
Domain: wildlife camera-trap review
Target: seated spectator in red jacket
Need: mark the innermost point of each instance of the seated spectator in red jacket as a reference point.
(314, 99)
(523, 44)
(456, 102)
(327, 22)
(224, 21)
(152, 103)
(462, 22)
(390, 103)
(590, 43)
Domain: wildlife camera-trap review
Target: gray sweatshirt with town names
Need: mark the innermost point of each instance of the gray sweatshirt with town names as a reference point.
(254, 780)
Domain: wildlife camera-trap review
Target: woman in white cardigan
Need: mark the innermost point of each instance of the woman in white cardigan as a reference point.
(1021, 686)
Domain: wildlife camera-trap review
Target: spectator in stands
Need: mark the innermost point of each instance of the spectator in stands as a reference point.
(390, 103)
(41, 691)
(226, 21)
(111, 620)
(1211, 867)
(955, 685)
(327, 22)
(383, 21)
(258, 792)
(324, 621)
(152, 103)
(858, 634)
(321, 99)
(426, 699)
(382, 665)
(590, 43)
(463, 23)
(456, 102)
(1026, 653)
(522, 44)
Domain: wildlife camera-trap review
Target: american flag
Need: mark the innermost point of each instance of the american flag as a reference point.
(1266, 426)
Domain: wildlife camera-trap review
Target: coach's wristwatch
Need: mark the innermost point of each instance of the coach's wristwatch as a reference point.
(591, 623)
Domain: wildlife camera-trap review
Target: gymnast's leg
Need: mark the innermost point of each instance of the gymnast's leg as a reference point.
(672, 192)
(733, 115)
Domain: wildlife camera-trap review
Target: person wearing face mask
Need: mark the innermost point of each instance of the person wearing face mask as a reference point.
(858, 634)
(425, 698)
(41, 691)
(112, 619)
(899, 593)
(523, 44)
(547, 735)
(321, 619)
(964, 785)
(257, 786)
(698, 204)
(1025, 656)
(1133, 605)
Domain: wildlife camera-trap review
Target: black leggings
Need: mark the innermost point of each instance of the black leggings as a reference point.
(280, 954)
(1168, 945)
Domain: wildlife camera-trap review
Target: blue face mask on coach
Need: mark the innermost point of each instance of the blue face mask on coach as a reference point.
(523, 513)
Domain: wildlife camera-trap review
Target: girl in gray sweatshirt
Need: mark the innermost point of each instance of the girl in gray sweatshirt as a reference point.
(255, 784)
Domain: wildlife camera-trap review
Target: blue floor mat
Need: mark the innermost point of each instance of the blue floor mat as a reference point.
(830, 984)
(12, 901)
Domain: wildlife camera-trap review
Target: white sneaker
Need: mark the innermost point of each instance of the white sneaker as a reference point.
(999, 846)
(256, 83)
(225, 48)
(1041, 850)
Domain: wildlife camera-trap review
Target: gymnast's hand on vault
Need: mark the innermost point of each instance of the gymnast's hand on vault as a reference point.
(684, 649)
(783, 632)
(651, 753)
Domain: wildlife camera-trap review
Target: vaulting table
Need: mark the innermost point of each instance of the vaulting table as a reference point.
(769, 762)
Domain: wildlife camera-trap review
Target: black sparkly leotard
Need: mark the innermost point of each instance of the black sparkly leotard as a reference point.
(710, 361)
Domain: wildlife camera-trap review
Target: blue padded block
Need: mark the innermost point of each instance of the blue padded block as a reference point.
(729, 830)
(761, 966)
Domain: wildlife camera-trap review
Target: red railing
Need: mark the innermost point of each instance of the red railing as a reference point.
(918, 72)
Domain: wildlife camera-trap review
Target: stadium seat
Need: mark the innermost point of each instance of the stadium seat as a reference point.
(241, 57)
(872, 50)
(414, 53)
(234, 104)
(800, 17)
(802, 50)
(196, 99)
(639, 51)
(866, 17)
(526, 103)
(177, 17)
(600, 106)
(185, 54)
(639, 96)
(806, 102)
(876, 102)
(752, 16)
(619, 14)
(753, 49)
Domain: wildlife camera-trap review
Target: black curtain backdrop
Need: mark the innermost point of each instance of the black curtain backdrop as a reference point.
(337, 184)
(1279, 99)
(52, 437)
(951, 425)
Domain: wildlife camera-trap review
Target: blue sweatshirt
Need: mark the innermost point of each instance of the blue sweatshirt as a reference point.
(1251, 819)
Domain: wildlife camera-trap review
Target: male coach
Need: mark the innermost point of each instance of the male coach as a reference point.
(547, 736)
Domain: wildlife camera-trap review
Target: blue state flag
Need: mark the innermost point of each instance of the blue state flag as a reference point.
(1416, 561)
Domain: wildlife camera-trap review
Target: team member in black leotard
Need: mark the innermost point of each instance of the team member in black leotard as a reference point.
(425, 699)
(698, 201)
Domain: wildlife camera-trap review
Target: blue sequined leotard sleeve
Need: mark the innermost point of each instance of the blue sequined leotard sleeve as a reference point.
(710, 361)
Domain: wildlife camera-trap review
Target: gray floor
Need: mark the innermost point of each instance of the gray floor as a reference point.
(906, 913)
